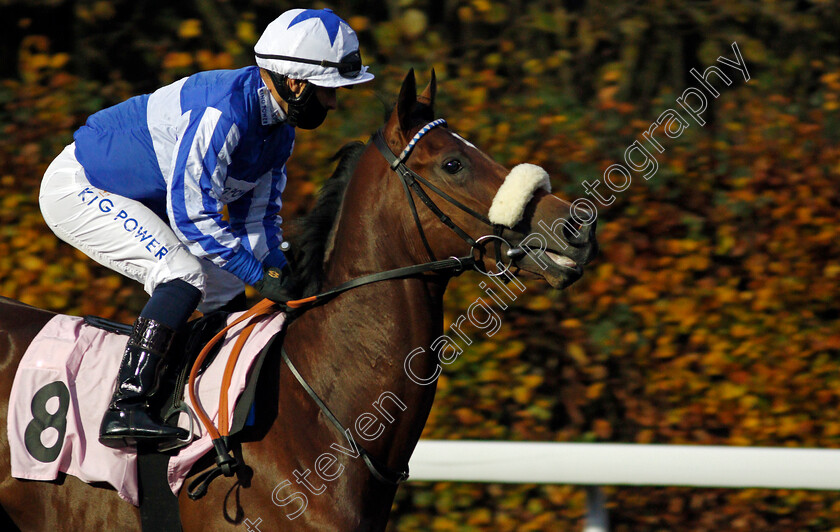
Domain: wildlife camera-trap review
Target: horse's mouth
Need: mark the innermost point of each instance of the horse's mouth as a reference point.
(560, 271)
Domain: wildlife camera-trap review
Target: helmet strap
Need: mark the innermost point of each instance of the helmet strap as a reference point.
(296, 105)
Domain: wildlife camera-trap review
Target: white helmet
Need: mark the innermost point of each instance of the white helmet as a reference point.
(314, 45)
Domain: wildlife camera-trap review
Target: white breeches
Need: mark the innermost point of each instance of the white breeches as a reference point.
(124, 235)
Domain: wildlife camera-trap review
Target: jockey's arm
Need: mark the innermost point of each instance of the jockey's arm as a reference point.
(195, 190)
(256, 217)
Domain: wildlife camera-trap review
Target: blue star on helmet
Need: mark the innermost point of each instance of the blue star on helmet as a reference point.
(330, 20)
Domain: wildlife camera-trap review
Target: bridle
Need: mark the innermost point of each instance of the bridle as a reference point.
(411, 182)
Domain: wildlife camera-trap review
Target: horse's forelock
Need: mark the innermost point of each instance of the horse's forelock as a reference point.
(421, 115)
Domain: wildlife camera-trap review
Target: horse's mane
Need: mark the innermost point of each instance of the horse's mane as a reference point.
(310, 234)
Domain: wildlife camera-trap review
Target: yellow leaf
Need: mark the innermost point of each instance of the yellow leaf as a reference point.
(477, 96)
(359, 23)
(578, 354)
(246, 32)
(729, 390)
(189, 28)
(593, 391)
(481, 5)
(540, 303)
(177, 60)
(532, 381)
(31, 263)
(413, 23)
(465, 13)
(641, 292)
(59, 60)
(522, 395)
(512, 350)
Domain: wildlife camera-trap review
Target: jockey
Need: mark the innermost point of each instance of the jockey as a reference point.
(142, 188)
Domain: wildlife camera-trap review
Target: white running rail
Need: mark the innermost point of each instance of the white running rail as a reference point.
(610, 464)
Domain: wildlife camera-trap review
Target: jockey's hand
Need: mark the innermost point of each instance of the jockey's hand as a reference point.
(275, 284)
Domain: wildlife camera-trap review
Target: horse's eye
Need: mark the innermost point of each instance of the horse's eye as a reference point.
(452, 166)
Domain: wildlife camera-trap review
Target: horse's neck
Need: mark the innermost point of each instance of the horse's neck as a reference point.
(352, 350)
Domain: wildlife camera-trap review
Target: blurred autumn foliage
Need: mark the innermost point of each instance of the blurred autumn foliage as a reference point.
(710, 316)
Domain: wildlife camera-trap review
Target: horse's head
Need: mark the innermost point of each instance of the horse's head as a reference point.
(533, 229)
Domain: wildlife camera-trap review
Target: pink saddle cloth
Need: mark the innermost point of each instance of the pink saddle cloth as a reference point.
(64, 384)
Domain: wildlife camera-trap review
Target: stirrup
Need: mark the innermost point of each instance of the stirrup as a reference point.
(117, 441)
(177, 443)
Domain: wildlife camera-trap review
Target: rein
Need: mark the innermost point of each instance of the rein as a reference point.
(227, 464)
(456, 264)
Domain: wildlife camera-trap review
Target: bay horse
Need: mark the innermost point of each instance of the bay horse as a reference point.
(351, 349)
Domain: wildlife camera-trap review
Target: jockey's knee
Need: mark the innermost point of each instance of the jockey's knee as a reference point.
(176, 263)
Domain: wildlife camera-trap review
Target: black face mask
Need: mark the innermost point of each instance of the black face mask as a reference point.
(304, 111)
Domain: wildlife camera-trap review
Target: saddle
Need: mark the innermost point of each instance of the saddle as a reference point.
(74, 361)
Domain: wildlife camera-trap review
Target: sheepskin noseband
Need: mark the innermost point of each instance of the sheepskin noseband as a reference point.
(520, 184)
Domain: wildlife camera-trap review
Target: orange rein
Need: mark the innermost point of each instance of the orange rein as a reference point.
(262, 308)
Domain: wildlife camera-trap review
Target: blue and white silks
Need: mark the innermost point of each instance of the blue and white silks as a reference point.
(188, 149)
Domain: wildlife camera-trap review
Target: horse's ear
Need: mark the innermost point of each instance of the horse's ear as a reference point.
(428, 96)
(406, 101)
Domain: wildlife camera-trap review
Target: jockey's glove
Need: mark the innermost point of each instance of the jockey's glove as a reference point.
(276, 284)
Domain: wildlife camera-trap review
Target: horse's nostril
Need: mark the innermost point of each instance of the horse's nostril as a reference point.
(581, 235)
(570, 233)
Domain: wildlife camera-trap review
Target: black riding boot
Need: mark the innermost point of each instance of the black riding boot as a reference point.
(127, 419)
